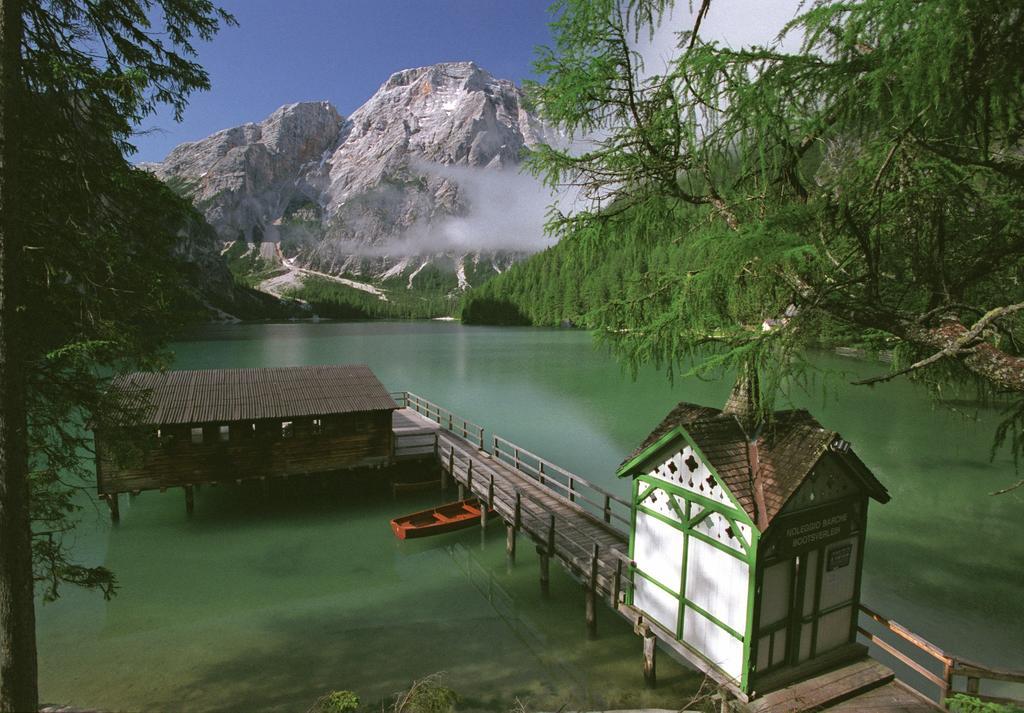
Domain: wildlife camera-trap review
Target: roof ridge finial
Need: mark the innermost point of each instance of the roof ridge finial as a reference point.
(744, 400)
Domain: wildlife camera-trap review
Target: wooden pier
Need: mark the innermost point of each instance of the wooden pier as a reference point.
(585, 529)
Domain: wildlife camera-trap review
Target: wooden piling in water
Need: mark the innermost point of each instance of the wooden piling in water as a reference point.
(591, 596)
(115, 513)
(190, 502)
(510, 543)
(545, 573)
(650, 651)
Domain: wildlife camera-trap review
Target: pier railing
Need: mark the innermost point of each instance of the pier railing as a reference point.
(939, 670)
(614, 510)
(606, 571)
(443, 417)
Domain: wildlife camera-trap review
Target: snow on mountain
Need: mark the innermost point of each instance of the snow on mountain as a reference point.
(425, 172)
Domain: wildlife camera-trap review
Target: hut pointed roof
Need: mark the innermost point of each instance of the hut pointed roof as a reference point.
(788, 448)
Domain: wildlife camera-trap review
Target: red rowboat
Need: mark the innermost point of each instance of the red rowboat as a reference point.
(444, 518)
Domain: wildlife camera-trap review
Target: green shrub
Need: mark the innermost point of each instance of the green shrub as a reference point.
(962, 703)
(337, 702)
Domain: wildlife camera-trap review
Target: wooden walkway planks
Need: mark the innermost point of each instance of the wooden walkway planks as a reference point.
(560, 528)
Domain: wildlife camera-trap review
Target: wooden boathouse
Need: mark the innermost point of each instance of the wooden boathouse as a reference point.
(205, 426)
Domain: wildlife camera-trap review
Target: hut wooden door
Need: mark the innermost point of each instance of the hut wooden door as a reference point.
(807, 604)
(826, 593)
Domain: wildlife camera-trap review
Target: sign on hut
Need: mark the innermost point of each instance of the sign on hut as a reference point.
(238, 424)
(748, 540)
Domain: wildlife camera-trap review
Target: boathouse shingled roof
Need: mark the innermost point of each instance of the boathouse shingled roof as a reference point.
(788, 449)
(223, 395)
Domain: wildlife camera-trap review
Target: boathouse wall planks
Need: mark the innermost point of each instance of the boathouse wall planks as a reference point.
(238, 424)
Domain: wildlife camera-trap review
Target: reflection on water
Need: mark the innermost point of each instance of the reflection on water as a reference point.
(265, 603)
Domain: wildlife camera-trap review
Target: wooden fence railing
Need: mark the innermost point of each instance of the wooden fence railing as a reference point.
(613, 509)
(602, 571)
(932, 664)
(443, 417)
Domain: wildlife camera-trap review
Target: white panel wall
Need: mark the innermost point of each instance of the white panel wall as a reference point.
(656, 603)
(658, 551)
(724, 650)
(718, 583)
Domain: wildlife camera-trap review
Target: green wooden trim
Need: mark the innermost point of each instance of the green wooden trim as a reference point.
(675, 505)
(631, 465)
(632, 542)
(714, 620)
(674, 489)
(748, 642)
(682, 574)
(738, 554)
(703, 514)
(646, 493)
(660, 585)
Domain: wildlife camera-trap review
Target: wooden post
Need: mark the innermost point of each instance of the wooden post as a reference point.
(592, 595)
(483, 516)
(551, 535)
(436, 446)
(616, 586)
(469, 477)
(115, 513)
(451, 468)
(490, 492)
(481, 439)
(947, 674)
(496, 448)
(572, 489)
(510, 543)
(650, 650)
(189, 500)
(545, 572)
(541, 479)
(518, 515)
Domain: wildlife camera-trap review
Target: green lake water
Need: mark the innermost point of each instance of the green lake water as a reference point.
(261, 603)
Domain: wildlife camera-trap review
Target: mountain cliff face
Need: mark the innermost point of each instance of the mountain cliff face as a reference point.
(374, 194)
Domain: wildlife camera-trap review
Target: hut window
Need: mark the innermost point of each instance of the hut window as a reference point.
(318, 427)
(287, 429)
(197, 435)
(224, 433)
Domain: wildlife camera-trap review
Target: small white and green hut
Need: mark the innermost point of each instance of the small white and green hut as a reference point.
(748, 541)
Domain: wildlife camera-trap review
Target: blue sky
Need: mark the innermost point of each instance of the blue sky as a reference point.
(285, 51)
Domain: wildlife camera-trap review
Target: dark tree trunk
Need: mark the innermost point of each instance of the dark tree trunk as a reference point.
(18, 684)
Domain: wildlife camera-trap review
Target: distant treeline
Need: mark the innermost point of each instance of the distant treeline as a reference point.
(334, 300)
(563, 283)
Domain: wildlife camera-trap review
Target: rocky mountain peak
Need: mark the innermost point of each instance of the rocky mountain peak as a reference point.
(326, 189)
